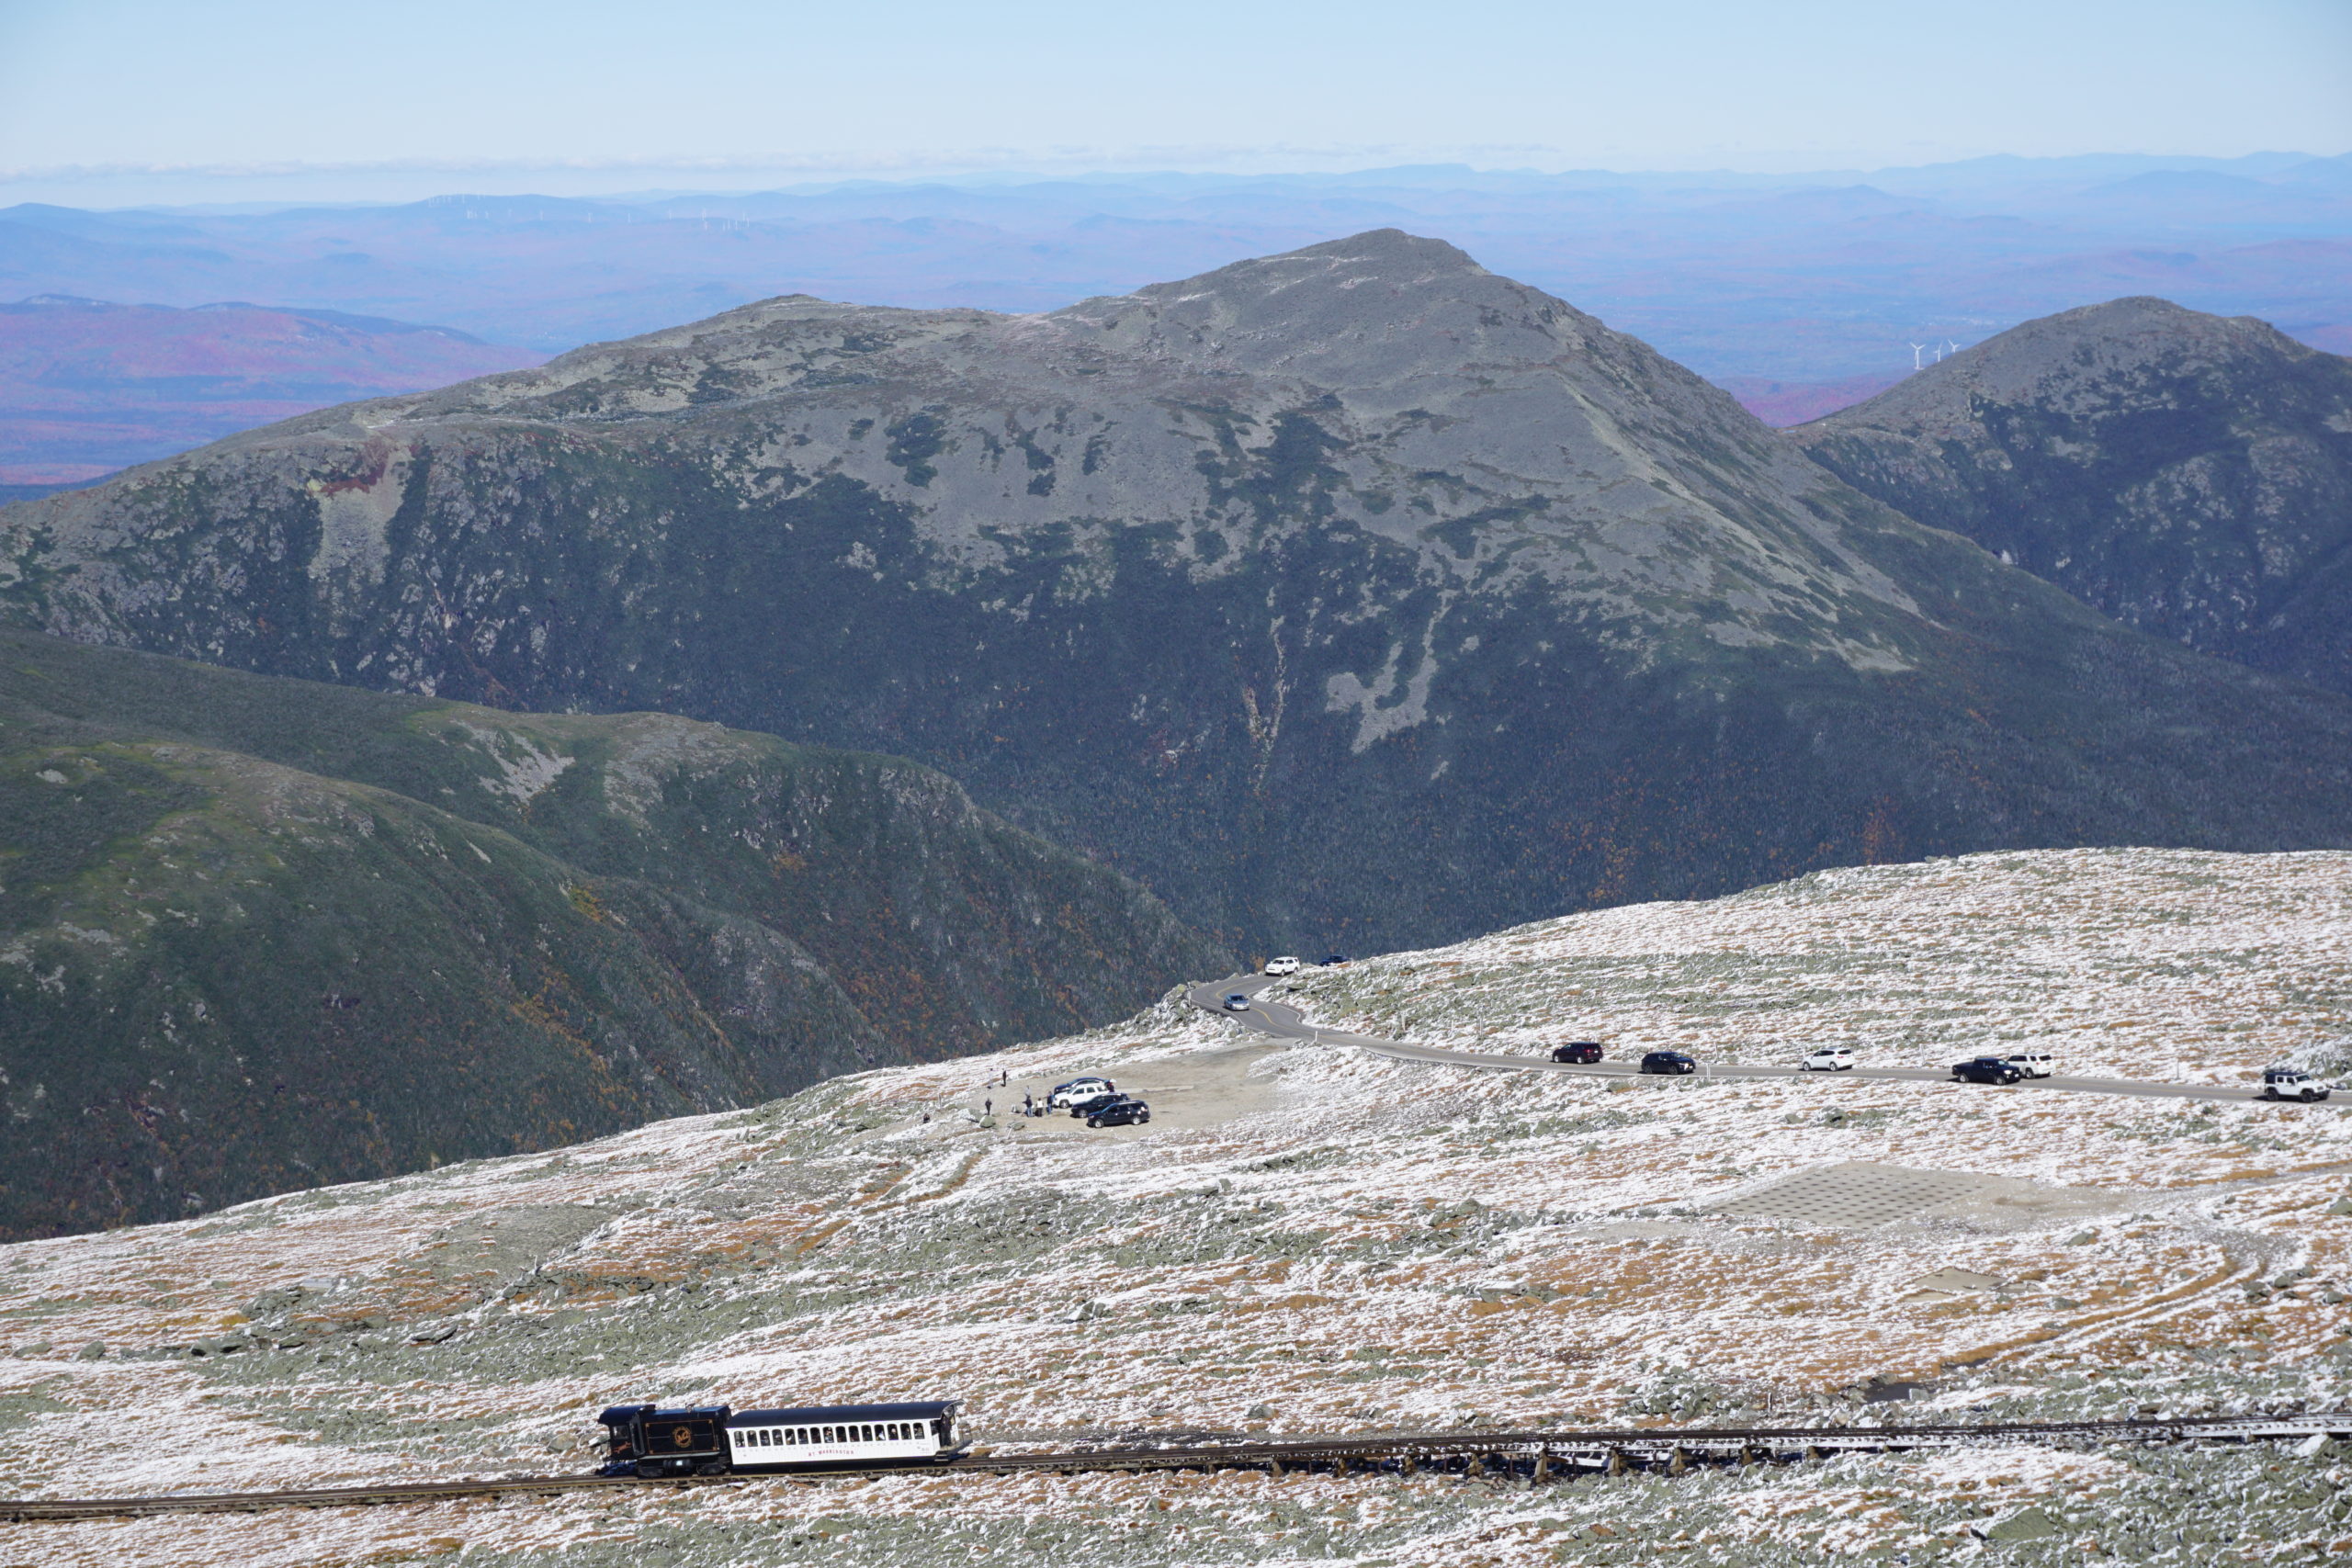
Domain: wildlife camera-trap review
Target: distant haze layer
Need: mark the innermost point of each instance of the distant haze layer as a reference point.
(88, 386)
(1799, 292)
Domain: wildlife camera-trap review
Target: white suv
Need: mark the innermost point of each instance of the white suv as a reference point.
(1828, 1059)
(1077, 1091)
(1278, 967)
(2292, 1083)
(2034, 1063)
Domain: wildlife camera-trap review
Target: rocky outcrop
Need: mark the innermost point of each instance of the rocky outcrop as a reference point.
(2190, 475)
(257, 933)
(1355, 596)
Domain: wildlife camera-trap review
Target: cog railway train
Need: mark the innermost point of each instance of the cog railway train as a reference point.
(717, 1439)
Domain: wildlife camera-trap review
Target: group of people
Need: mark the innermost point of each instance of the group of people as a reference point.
(1029, 1106)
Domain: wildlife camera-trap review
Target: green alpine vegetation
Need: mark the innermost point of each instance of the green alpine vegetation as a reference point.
(259, 934)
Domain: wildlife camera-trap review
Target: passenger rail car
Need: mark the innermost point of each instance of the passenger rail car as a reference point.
(717, 1439)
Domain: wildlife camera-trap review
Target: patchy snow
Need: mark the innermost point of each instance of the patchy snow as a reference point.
(1311, 1239)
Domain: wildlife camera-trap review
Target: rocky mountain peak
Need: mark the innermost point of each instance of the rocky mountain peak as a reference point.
(2084, 363)
(1356, 315)
(2186, 473)
(1355, 594)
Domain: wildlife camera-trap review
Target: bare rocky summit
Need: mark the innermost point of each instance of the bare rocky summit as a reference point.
(2188, 474)
(1356, 596)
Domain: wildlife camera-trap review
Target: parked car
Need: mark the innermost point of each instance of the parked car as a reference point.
(2292, 1083)
(1087, 1104)
(1237, 1002)
(1986, 1069)
(1828, 1059)
(1278, 967)
(1577, 1051)
(1066, 1095)
(1334, 960)
(1669, 1061)
(2033, 1064)
(1119, 1113)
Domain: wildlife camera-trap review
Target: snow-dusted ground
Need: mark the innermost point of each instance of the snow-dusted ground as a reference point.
(1338, 1242)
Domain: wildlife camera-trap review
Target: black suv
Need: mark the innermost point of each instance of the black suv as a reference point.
(1119, 1113)
(1986, 1069)
(1669, 1061)
(1577, 1051)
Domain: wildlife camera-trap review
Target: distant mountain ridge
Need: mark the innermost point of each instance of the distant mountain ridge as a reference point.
(87, 385)
(2188, 474)
(1755, 275)
(257, 934)
(1356, 595)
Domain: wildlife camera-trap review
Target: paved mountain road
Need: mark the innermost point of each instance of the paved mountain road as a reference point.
(1287, 1022)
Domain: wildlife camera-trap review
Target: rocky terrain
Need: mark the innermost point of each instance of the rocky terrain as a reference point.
(1355, 597)
(1309, 1239)
(258, 934)
(2188, 474)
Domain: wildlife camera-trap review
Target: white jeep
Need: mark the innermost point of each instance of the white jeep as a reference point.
(2292, 1083)
(1278, 967)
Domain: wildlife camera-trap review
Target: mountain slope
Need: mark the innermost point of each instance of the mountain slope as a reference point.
(1356, 595)
(2186, 473)
(259, 934)
(1314, 1240)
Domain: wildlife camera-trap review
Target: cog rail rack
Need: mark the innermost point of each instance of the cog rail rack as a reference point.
(1536, 1455)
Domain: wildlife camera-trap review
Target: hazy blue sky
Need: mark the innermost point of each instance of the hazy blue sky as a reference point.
(725, 92)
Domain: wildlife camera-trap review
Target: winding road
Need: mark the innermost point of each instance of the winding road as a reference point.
(1287, 1022)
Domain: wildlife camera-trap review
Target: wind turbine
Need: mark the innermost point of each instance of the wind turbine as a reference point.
(1915, 354)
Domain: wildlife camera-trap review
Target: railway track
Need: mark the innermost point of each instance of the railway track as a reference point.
(1536, 1456)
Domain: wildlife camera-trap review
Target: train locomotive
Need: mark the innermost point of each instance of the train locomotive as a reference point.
(717, 1439)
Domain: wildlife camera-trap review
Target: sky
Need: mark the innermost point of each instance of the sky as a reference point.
(106, 102)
